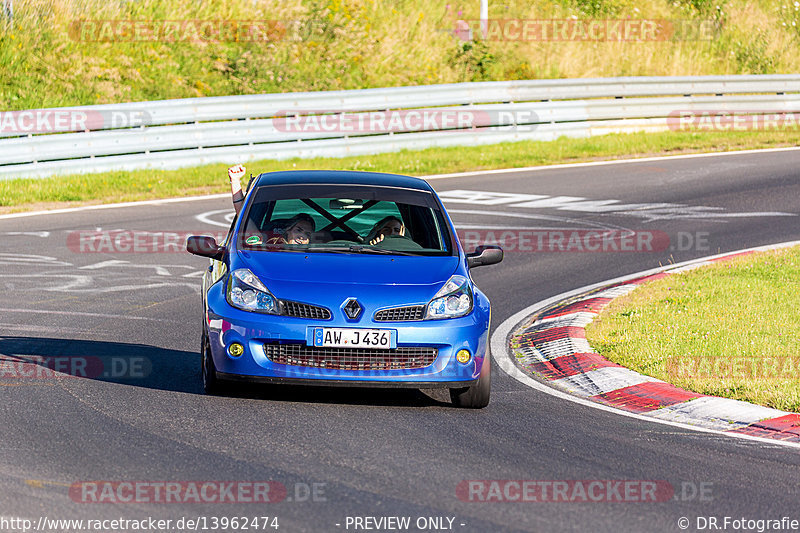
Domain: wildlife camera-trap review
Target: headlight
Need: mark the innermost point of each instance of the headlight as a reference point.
(452, 300)
(246, 292)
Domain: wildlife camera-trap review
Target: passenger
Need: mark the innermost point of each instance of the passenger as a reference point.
(299, 231)
(235, 175)
(390, 225)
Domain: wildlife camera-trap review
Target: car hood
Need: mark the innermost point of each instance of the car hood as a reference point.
(328, 278)
(359, 269)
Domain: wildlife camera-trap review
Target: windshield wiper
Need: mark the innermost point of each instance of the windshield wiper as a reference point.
(326, 249)
(352, 249)
(382, 251)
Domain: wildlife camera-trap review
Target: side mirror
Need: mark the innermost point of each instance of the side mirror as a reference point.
(205, 247)
(485, 255)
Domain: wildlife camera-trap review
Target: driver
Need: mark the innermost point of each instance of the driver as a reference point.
(298, 231)
(390, 225)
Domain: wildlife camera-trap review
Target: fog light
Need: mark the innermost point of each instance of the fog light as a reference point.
(235, 349)
(463, 356)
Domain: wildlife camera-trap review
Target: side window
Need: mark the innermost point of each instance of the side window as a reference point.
(423, 226)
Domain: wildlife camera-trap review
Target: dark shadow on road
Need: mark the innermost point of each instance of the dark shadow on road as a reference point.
(152, 367)
(138, 365)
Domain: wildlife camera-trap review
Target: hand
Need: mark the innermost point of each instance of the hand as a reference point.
(236, 172)
(377, 239)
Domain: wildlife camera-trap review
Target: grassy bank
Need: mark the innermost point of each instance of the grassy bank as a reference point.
(107, 187)
(352, 44)
(727, 330)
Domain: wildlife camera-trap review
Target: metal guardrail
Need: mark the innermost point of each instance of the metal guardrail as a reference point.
(190, 132)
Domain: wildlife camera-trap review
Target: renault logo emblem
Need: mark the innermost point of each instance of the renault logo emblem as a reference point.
(352, 308)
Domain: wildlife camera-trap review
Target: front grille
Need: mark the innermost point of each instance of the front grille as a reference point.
(301, 310)
(351, 358)
(401, 314)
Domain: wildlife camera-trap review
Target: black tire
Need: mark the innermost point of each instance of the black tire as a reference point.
(476, 396)
(211, 383)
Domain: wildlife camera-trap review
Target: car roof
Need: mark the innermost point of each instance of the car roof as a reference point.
(341, 177)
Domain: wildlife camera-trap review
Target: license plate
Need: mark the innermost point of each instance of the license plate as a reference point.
(354, 338)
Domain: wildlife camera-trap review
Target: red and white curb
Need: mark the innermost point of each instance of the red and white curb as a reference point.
(545, 347)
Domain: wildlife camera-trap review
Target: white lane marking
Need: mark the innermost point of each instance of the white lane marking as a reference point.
(694, 212)
(83, 283)
(697, 213)
(550, 350)
(75, 313)
(486, 197)
(122, 288)
(691, 267)
(608, 162)
(528, 355)
(30, 328)
(577, 319)
(526, 228)
(71, 281)
(28, 259)
(614, 292)
(42, 234)
(577, 203)
(530, 216)
(104, 264)
(206, 218)
(601, 381)
(649, 212)
(114, 206)
(720, 413)
(505, 360)
(161, 270)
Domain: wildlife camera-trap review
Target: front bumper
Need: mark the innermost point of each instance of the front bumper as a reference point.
(226, 325)
(269, 380)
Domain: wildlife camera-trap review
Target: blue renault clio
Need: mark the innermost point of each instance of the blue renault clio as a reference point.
(345, 278)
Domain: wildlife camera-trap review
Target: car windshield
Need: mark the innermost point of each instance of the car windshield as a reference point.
(349, 219)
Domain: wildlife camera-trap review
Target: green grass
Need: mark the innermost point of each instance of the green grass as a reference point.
(109, 187)
(356, 44)
(729, 329)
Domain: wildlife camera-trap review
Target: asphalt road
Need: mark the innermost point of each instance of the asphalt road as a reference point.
(141, 415)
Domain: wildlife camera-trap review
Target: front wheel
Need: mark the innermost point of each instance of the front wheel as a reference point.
(211, 383)
(476, 396)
